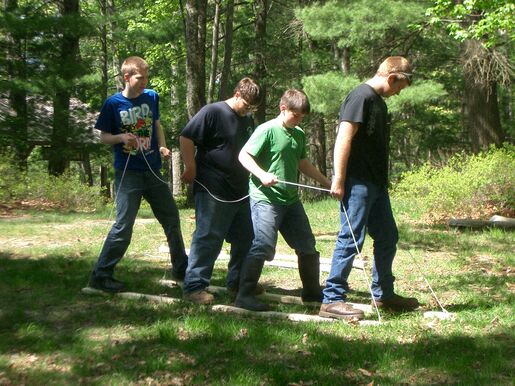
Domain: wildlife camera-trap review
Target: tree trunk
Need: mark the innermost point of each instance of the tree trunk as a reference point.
(175, 172)
(58, 160)
(224, 92)
(115, 60)
(201, 50)
(86, 165)
(195, 94)
(104, 181)
(260, 9)
(214, 53)
(17, 72)
(481, 109)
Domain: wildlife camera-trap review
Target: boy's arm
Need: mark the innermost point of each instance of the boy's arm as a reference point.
(248, 161)
(342, 147)
(161, 141)
(128, 139)
(308, 169)
(188, 157)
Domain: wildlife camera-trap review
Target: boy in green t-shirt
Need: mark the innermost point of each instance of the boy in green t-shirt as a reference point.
(276, 152)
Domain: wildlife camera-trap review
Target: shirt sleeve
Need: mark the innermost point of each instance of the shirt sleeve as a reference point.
(257, 141)
(196, 128)
(105, 121)
(353, 109)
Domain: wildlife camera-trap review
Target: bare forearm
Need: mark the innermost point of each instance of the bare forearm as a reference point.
(308, 169)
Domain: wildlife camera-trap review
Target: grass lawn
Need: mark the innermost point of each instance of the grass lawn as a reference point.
(52, 334)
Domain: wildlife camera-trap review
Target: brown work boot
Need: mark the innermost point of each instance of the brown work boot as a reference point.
(340, 310)
(199, 297)
(398, 303)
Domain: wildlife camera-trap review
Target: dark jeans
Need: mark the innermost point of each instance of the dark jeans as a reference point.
(291, 220)
(368, 207)
(130, 190)
(215, 222)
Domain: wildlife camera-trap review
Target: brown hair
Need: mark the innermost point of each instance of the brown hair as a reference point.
(397, 65)
(133, 64)
(249, 91)
(296, 100)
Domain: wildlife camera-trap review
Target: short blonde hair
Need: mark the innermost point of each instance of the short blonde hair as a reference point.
(295, 100)
(133, 64)
(398, 65)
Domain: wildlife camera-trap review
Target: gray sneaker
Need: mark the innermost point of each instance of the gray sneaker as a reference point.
(340, 310)
(199, 297)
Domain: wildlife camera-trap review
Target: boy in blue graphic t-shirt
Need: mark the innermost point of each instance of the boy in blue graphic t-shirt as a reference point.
(129, 121)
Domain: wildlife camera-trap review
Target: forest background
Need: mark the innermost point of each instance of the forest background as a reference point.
(61, 60)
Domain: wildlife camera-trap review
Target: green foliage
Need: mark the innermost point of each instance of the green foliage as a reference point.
(36, 188)
(490, 21)
(353, 23)
(468, 186)
(418, 95)
(325, 91)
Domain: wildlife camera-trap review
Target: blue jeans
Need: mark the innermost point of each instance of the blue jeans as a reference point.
(130, 190)
(215, 222)
(291, 220)
(368, 207)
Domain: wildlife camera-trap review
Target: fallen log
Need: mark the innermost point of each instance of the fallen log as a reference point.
(494, 221)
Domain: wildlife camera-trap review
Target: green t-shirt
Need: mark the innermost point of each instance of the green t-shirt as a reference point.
(277, 150)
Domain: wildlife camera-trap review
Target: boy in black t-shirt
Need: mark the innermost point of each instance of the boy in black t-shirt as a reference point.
(360, 182)
(210, 144)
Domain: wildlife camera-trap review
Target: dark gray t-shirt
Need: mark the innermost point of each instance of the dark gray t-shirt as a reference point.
(368, 159)
(219, 134)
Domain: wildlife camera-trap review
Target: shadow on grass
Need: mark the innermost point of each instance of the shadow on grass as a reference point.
(442, 238)
(62, 336)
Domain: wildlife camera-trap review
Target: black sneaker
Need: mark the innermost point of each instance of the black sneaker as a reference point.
(106, 284)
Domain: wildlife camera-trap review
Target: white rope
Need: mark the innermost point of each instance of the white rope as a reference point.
(364, 270)
(427, 282)
(219, 199)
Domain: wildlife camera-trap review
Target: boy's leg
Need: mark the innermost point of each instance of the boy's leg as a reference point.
(128, 199)
(265, 221)
(297, 232)
(357, 203)
(382, 228)
(240, 237)
(213, 219)
(164, 208)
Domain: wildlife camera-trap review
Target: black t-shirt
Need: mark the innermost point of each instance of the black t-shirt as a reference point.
(368, 158)
(219, 133)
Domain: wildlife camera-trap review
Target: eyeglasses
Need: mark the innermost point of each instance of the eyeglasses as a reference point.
(248, 106)
(405, 75)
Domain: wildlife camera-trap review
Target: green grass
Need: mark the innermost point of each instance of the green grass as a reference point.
(52, 334)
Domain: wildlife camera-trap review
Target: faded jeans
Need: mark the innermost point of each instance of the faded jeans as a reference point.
(135, 186)
(368, 207)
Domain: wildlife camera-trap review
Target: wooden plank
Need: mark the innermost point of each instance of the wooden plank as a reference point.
(294, 317)
(131, 295)
(272, 297)
(271, 314)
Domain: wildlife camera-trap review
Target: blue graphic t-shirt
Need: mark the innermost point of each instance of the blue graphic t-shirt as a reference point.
(137, 116)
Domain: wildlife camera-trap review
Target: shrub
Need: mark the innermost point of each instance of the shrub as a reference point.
(474, 186)
(37, 189)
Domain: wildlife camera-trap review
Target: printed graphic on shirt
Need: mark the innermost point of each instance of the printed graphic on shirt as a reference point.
(375, 110)
(138, 121)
